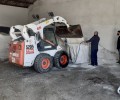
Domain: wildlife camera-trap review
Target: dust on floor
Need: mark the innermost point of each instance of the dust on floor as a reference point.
(100, 83)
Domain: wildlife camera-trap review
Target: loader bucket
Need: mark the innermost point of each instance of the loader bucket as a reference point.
(74, 31)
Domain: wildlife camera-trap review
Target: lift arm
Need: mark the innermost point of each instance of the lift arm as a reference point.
(14, 30)
(39, 28)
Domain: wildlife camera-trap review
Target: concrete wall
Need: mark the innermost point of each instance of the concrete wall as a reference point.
(100, 15)
(10, 15)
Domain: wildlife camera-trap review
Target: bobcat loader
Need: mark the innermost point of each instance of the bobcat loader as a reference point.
(39, 44)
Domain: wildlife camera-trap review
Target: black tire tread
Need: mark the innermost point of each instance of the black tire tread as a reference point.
(38, 61)
(57, 59)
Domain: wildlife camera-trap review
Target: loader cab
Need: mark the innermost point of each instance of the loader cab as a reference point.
(52, 36)
(49, 41)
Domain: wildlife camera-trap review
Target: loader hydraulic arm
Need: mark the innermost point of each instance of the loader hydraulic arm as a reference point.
(56, 19)
(38, 29)
(14, 30)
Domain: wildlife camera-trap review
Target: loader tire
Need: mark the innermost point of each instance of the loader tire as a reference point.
(61, 59)
(43, 63)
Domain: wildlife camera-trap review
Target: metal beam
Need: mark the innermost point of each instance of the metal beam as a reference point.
(24, 6)
(19, 1)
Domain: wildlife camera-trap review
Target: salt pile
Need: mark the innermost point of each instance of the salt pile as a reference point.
(4, 45)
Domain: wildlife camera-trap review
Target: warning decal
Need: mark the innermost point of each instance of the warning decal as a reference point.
(29, 49)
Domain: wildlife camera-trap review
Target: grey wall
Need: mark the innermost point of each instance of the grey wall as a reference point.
(100, 15)
(10, 15)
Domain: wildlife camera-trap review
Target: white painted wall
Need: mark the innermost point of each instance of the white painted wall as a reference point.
(10, 15)
(100, 15)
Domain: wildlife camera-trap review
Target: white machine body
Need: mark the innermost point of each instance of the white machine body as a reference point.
(23, 47)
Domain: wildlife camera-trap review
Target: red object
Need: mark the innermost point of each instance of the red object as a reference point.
(38, 28)
(45, 63)
(16, 53)
(63, 59)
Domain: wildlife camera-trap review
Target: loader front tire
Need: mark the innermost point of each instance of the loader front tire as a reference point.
(43, 63)
(61, 59)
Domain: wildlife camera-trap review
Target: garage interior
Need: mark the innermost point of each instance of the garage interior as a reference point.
(79, 80)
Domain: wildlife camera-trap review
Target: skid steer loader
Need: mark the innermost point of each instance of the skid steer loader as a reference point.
(39, 44)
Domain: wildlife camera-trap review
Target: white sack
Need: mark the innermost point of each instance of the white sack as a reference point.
(79, 53)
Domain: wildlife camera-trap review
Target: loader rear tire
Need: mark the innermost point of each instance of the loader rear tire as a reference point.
(43, 63)
(61, 59)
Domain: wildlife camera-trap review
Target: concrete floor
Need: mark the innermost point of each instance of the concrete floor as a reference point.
(68, 84)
